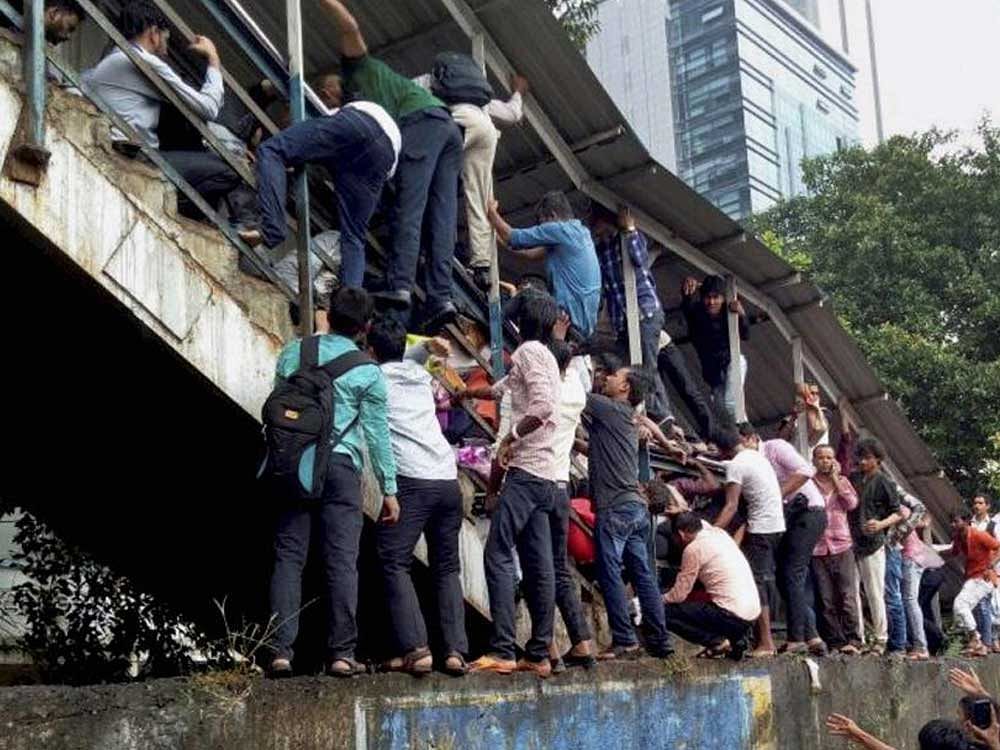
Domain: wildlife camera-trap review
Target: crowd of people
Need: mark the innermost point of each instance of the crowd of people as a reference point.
(747, 531)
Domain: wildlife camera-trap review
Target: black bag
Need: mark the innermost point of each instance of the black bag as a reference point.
(299, 414)
(458, 79)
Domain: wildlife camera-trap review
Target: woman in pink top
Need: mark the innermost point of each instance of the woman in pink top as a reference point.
(913, 558)
(834, 570)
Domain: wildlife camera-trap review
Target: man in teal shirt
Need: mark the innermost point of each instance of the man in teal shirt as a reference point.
(335, 519)
(426, 178)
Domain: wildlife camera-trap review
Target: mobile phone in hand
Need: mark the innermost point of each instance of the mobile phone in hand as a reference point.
(981, 713)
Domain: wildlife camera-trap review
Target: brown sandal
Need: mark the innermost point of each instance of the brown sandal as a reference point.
(418, 662)
(350, 668)
(455, 665)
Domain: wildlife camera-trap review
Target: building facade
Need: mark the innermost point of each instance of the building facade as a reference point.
(755, 88)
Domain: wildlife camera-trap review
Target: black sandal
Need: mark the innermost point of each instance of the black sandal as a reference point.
(353, 667)
(461, 670)
(620, 653)
(587, 661)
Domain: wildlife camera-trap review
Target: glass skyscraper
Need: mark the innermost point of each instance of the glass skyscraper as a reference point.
(754, 89)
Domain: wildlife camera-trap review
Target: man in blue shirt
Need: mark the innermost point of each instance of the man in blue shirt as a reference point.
(335, 519)
(564, 243)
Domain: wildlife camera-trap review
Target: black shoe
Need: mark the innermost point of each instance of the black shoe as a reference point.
(481, 277)
(558, 665)
(279, 669)
(587, 661)
(441, 317)
(661, 653)
(398, 299)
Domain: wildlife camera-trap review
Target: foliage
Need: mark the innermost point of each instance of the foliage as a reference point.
(905, 238)
(85, 624)
(578, 17)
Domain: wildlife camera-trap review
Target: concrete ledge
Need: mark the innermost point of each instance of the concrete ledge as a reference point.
(648, 704)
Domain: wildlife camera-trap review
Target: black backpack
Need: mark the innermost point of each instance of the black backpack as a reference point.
(299, 414)
(458, 79)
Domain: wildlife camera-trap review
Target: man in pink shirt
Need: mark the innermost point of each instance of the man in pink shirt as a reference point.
(834, 570)
(521, 519)
(722, 623)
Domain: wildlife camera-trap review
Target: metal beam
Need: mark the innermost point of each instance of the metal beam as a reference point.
(33, 150)
(734, 378)
(799, 376)
(297, 106)
(726, 243)
(772, 286)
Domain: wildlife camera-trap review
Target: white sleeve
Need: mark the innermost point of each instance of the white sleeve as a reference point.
(423, 81)
(506, 113)
(206, 101)
(734, 472)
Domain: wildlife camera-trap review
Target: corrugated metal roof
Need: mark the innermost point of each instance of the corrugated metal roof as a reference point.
(408, 33)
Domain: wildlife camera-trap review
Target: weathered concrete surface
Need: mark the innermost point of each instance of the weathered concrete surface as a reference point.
(643, 705)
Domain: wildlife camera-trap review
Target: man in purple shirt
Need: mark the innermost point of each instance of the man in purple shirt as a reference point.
(521, 519)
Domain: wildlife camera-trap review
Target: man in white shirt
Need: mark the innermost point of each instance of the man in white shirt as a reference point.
(359, 145)
(749, 474)
(124, 88)
(572, 401)
(430, 503)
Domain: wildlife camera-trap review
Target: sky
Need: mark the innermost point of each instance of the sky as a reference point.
(939, 62)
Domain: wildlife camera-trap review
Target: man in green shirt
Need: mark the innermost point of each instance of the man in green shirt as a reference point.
(426, 180)
(334, 520)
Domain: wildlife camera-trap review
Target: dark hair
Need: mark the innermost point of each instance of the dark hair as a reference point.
(606, 361)
(563, 353)
(293, 313)
(726, 438)
(961, 514)
(598, 212)
(68, 6)
(640, 383)
(387, 339)
(658, 495)
(870, 447)
(747, 430)
(138, 16)
(351, 309)
(938, 734)
(713, 285)
(535, 317)
(554, 204)
(533, 281)
(688, 522)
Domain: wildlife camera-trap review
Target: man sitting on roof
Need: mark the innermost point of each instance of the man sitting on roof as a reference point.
(568, 251)
(427, 177)
(123, 87)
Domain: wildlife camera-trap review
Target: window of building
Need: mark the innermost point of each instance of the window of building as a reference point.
(711, 15)
(822, 106)
(819, 71)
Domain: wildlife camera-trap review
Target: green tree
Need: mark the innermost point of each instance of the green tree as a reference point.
(905, 238)
(578, 17)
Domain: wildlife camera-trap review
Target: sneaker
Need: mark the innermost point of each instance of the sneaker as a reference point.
(441, 317)
(541, 668)
(494, 664)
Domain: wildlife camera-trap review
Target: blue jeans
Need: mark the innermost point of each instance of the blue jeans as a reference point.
(894, 611)
(620, 536)
(426, 203)
(358, 155)
(911, 601)
(333, 525)
(983, 613)
(521, 522)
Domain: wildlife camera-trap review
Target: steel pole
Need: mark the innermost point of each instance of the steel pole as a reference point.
(297, 103)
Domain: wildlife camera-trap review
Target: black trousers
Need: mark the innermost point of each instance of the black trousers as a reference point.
(337, 518)
(673, 368)
(658, 405)
(217, 183)
(434, 508)
(707, 624)
(567, 589)
(930, 582)
(521, 522)
(803, 530)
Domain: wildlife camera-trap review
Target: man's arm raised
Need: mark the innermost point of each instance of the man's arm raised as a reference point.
(352, 43)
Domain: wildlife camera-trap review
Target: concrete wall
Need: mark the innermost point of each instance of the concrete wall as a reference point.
(645, 705)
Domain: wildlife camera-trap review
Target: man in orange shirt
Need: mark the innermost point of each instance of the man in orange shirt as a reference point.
(982, 552)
